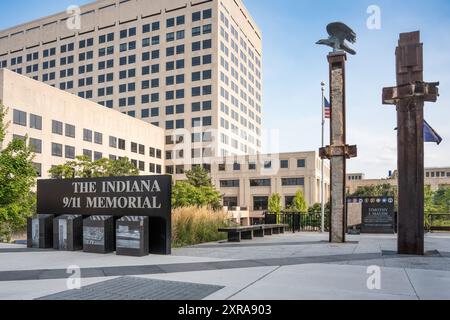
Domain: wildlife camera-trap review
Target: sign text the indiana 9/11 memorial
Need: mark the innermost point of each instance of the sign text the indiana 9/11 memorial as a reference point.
(148, 196)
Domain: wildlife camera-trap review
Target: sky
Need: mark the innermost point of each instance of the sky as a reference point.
(293, 68)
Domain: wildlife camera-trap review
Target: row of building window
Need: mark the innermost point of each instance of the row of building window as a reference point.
(284, 164)
(60, 128)
(285, 182)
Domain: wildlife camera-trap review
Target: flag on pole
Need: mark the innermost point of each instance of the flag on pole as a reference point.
(429, 134)
(327, 111)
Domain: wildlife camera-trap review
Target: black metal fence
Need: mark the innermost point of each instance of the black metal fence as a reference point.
(297, 222)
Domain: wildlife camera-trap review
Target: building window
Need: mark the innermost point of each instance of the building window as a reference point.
(113, 142)
(229, 183)
(57, 150)
(292, 182)
(69, 152)
(288, 201)
(260, 183)
(57, 127)
(267, 164)
(38, 168)
(87, 154)
(121, 144)
(20, 118)
(87, 135)
(301, 163)
(284, 164)
(252, 166)
(179, 169)
(35, 122)
(98, 156)
(260, 203)
(98, 138)
(230, 202)
(236, 166)
(222, 167)
(70, 131)
(36, 145)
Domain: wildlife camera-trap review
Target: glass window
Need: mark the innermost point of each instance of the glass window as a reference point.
(87, 135)
(98, 138)
(113, 142)
(229, 183)
(293, 181)
(36, 145)
(196, 16)
(57, 149)
(35, 122)
(87, 154)
(20, 117)
(260, 203)
(69, 152)
(70, 131)
(260, 183)
(57, 127)
(98, 156)
(252, 166)
(121, 144)
(301, 163)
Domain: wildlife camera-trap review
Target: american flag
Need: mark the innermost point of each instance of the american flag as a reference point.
(327, 111)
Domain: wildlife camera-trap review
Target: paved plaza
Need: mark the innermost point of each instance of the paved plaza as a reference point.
(286, 267)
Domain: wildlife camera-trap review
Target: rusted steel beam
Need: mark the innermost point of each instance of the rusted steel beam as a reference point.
(409, 96)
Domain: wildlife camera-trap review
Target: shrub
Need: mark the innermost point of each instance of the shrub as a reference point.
(193, 225)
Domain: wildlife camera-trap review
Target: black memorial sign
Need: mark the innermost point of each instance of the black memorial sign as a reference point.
(148, 196)
(377, 214)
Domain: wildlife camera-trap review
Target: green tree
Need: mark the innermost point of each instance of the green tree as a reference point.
(316, 208)
(441, 200)
(198, 177)
(185, 194)
(275, 203)
(299, 202)
(83, 167)
(197, 191)
(17, 179)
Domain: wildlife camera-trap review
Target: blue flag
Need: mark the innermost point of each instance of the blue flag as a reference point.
(429, 134)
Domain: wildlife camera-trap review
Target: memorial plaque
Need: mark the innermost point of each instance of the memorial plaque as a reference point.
(132, 238)
(98, 234)
(145, 196)
(68, 233)
(371, 214)
(40, 231)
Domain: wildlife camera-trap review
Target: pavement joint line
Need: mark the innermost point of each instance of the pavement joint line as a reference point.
(13, 275)
(250, 284)
(410, 282)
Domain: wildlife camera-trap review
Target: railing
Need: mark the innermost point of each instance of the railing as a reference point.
(438, 222)
(297, 222)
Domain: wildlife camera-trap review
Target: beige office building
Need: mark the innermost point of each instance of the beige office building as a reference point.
(60, 126)
(434, 178)
(247, 182)
(192, 68)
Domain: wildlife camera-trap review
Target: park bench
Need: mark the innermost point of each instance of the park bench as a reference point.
(236, 234)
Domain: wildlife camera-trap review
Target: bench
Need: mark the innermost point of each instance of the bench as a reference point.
(236, 234)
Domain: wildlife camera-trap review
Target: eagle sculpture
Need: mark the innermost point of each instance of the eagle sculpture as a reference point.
(339, 32)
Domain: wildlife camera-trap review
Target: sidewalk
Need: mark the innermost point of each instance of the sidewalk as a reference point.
(286, 267)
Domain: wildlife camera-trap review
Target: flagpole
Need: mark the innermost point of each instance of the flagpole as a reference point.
(322, 189)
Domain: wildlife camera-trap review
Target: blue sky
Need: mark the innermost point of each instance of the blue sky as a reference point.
(294, 67)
